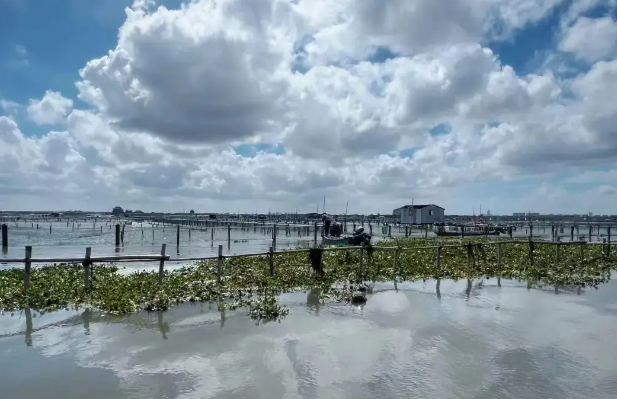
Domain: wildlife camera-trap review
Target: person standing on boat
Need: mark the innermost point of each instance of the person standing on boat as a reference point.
(326, 224)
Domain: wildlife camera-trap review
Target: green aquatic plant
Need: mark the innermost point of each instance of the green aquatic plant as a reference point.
(254, 282)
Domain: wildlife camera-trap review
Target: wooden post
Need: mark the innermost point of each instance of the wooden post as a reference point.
(590, 233)
(315, 235)
(469, 255)
(5, 236)
(50, 228)
(212, 233)
(608, 241)
(582, 250)
(438, 284)
(27, 267)
(274, 237)
(219, 266)
(510, 231)
(390, 230)
(426, 231)
(117, 235)
(162, 263)
(362, 262)
(228, 235)
(572, 233)
(396, 252)
(499, 256)
(271, 260)
(531, 231)
(87, 268)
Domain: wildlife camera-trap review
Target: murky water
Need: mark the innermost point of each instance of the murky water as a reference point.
(506, 342)
(69, 240)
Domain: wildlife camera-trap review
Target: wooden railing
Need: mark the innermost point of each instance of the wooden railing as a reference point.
(88, 260)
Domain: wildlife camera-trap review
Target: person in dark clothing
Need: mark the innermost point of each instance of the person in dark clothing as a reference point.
(326, 226)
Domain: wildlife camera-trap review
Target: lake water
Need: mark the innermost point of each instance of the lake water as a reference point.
(506, 342)
(69, 240)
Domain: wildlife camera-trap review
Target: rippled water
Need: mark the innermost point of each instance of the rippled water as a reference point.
(68, 240)
(506, 342)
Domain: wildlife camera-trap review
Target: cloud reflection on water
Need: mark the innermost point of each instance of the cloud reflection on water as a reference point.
(499, 342)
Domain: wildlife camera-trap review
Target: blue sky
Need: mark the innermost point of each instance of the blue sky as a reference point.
(44, 44)
(61, 36)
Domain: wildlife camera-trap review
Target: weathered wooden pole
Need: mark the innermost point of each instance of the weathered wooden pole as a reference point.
(271, 260)
(228, 235)
(177, 235)
(27, 267)
(315, 235)
(162, 263)
(5, 236)
(117, 235)
(219, 268)
(87, 268)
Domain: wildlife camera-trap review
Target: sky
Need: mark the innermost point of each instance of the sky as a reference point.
(250, 106)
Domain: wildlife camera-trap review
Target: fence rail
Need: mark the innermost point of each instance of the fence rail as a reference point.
(168, 258)
(88, 260)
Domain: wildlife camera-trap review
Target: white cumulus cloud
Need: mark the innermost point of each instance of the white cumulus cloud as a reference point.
(49, 110)
(176, 104)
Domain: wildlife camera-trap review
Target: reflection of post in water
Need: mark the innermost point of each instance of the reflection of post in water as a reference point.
(468, 289)
(28, 313)
(222, 311)
(313, 301)
(162, 326)
(5, 250)
(438, 288)
(86, 316)
(117, 249)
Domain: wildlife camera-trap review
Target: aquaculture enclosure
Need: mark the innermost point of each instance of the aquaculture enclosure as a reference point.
(254, 281)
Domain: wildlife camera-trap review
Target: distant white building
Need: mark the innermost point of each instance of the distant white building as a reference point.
(420, 214)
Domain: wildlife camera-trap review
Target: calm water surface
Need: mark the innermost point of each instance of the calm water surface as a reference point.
(69, 240)
(505, 342)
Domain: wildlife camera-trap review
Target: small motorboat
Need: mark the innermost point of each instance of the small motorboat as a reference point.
(358, 238)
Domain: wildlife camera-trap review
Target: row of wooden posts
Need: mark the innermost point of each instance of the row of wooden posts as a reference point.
(119, 233)
(315, 255)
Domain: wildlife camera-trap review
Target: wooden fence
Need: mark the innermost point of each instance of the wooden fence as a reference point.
(88, 260)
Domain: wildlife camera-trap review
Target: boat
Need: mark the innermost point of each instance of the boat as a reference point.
(329, 240)
(359, 237)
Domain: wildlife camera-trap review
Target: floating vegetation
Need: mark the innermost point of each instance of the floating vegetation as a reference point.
(254, 283)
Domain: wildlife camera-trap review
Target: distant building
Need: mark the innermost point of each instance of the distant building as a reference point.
(518, 214)
(117, 211)
(419, 214)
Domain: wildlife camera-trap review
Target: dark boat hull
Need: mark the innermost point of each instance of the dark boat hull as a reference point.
(467, 233)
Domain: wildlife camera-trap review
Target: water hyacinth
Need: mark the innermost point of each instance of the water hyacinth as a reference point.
(246, 282)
